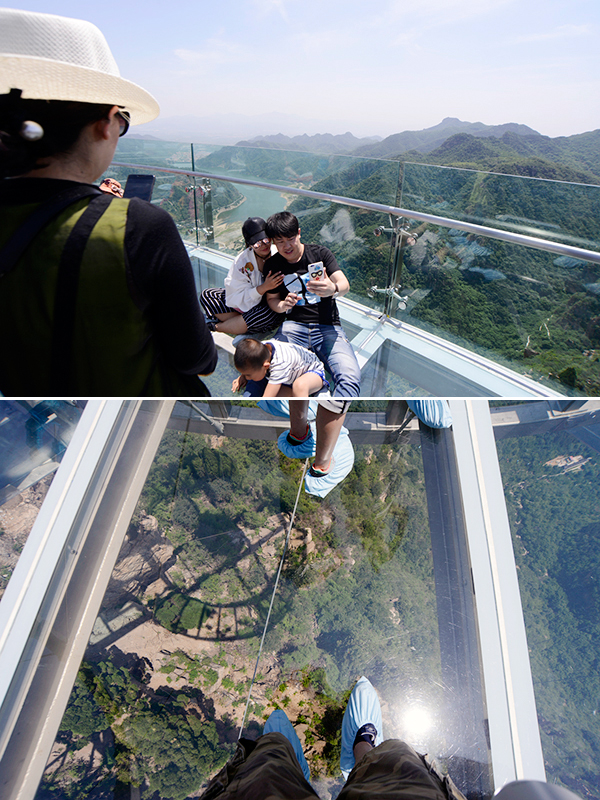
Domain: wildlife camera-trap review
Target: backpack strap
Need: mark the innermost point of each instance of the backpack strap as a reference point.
(65, 300)
(24, 235)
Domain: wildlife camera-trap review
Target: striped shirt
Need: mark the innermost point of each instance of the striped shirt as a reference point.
(289, 361)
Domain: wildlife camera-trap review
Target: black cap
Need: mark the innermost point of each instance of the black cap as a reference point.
(253, 230)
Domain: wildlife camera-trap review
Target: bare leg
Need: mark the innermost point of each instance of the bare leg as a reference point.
(226, 315)
(329, 425)
(231, 323)
(361, 749)
(298, 418)
(307, 384)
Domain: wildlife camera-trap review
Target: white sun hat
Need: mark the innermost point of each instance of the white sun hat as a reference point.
(59, 58)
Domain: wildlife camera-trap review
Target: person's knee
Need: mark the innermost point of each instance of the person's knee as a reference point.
(338, 354)
(335, 406)
(347, 383)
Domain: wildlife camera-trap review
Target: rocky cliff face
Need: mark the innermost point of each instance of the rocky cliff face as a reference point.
(17, 516)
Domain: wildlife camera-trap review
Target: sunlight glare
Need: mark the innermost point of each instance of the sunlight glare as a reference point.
(417, 722)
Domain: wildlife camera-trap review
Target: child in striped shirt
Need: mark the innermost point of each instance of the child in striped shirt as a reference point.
(291, 370)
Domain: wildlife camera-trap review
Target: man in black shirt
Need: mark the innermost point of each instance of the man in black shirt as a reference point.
(312, 318)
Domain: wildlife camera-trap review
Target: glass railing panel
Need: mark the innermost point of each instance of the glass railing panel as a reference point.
(524, 308)
(34, 435)
(172, 192)
(219, 383)
(351, 234)
(163, 687)
(534, 312)
(191, 202)
(358, 177)
(547, 209)
(367, 179)
(384, 375)
(551, 480)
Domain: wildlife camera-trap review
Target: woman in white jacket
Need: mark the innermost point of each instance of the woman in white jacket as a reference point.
(241, 307)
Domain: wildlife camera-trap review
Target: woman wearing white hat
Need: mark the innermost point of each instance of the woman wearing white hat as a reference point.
(97, 294)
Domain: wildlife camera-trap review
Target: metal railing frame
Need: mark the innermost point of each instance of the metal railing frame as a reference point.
(446, 222)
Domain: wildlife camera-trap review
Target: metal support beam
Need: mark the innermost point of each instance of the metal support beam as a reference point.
(514, 732)
(50, 605)
(465, 710)
(253, 423)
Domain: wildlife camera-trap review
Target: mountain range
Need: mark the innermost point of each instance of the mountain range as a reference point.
(509, 148)
(318, 143)
(566, 158)
(375, 147)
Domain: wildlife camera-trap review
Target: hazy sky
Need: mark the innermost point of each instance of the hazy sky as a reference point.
(371, 68)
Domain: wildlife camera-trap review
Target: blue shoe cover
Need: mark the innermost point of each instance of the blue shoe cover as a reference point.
(363, 706)
(305, 450)
(434, 413)
(278, 721)
(281, 408)
(343, 461)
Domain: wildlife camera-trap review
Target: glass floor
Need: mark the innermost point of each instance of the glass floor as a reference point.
(376, 581)
(33, 438)
(162, 692)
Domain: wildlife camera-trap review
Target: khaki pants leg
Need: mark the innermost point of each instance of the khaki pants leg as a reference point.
(270, 772)
(392, 771)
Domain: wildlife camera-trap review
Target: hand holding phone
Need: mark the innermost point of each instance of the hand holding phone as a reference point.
(140, 186)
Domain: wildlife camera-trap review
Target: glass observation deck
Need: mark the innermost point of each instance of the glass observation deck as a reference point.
(178, 584)
(463, 282)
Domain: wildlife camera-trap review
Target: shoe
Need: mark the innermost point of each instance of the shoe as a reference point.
(294, 441)
(304, 449)
(278, 721)
(320, 473)
(362, 716)
(320, 483)
(367, 733)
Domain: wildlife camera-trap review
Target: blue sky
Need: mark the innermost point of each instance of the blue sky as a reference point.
(372, 69)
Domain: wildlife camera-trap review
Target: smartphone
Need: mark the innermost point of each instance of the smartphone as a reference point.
(294, 283)
(316, 271)
(140, 186)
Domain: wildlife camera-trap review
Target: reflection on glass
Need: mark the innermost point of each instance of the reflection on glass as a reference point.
(551, 484)
(166, 677)
(546, 209)
(518, 306)
(33, 437)
(417, 722)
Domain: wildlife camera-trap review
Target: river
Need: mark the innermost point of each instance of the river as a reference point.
(258, 203)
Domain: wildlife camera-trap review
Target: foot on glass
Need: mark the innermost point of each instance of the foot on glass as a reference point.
(367, 733)
(320, 472)
(295, 441)
(278, 721)
(362, 714)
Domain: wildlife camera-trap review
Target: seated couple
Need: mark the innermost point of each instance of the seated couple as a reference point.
(304, 307)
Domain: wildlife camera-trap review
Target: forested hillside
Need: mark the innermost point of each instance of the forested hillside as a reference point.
(574, 158)
(556, 538)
